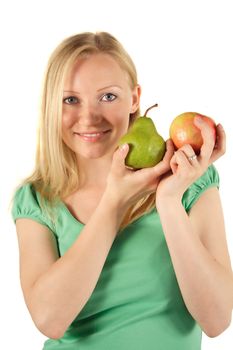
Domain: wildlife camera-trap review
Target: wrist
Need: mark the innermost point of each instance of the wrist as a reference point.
(165, 202)
(113, 207)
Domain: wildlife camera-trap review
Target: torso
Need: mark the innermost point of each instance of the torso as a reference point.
(83, 203)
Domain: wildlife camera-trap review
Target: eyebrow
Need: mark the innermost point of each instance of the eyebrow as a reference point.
(106, 87)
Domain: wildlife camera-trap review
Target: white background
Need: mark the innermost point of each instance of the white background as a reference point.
(183, 53)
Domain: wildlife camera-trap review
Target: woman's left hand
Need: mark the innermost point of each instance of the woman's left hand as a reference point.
(187, 167)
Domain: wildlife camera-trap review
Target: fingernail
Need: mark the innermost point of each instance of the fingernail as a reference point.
(123, 147)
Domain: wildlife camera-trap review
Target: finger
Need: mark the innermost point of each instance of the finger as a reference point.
(208, 138)
(173, 163)
(180, 159)
(220, 144)
(190, 154)
(118, 160)
(164, 165)
(170, 149)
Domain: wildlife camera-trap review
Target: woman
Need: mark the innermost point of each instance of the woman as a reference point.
(110, 257)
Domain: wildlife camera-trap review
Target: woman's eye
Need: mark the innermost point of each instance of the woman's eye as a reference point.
(70, 100)
(109, 97)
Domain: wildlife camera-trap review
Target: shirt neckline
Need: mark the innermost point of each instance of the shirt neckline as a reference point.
(71, 215)
(82, 224)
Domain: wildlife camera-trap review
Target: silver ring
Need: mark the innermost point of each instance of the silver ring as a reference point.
(193, 157)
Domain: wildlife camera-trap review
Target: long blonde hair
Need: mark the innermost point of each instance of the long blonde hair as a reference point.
(55, 175)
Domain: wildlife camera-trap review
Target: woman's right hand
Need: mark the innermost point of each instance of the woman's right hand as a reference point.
(125, 186)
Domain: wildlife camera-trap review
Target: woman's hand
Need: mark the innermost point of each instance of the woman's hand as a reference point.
(186, 167)
(125, 186)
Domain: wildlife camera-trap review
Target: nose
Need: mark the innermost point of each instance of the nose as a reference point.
(89, 114)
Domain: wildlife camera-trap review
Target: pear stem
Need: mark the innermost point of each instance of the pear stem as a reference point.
(148, 109)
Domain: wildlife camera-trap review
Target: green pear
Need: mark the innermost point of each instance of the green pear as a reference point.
(146, 146)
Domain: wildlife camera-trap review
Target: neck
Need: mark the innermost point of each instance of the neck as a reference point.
(94, 172)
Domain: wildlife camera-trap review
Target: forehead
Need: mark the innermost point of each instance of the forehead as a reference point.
(96, 69)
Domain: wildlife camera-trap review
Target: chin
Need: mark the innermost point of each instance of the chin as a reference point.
(93, 154)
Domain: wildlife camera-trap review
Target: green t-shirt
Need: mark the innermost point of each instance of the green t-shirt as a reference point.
(137, 303)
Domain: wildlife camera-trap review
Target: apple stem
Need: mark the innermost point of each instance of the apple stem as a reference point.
(148, 109)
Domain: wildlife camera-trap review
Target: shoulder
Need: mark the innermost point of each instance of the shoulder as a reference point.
(27, 203)
(26, 191)
(209, 179)
(26, 195)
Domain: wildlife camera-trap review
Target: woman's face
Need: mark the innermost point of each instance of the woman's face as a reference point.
(97, 101)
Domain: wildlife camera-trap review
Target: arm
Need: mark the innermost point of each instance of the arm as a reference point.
(197, 242)
(198, 249)
(56, 289)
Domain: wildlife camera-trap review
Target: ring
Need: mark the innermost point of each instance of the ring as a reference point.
(193, 157)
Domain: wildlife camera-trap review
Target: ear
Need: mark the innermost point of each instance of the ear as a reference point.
(136, 94)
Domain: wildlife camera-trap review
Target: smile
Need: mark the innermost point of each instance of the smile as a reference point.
(92, 137)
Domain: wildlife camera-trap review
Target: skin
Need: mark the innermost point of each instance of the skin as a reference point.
(96, 108)
(200, 255)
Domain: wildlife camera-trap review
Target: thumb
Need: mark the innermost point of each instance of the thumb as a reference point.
(118, 161)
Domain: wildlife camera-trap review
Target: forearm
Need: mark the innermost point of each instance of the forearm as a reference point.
(59, 295)
(206, 286)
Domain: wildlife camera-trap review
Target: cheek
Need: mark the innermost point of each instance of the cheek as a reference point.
(67, 120)
(122, 120)
(119, 114)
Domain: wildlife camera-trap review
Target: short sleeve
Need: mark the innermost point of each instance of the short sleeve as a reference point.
(26, 204)
(209, 179)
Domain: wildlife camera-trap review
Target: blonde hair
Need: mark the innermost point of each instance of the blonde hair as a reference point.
(55, 175)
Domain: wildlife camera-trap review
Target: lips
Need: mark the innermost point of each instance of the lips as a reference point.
(92, 136)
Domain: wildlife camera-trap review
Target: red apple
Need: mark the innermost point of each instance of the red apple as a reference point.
(184, 131)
